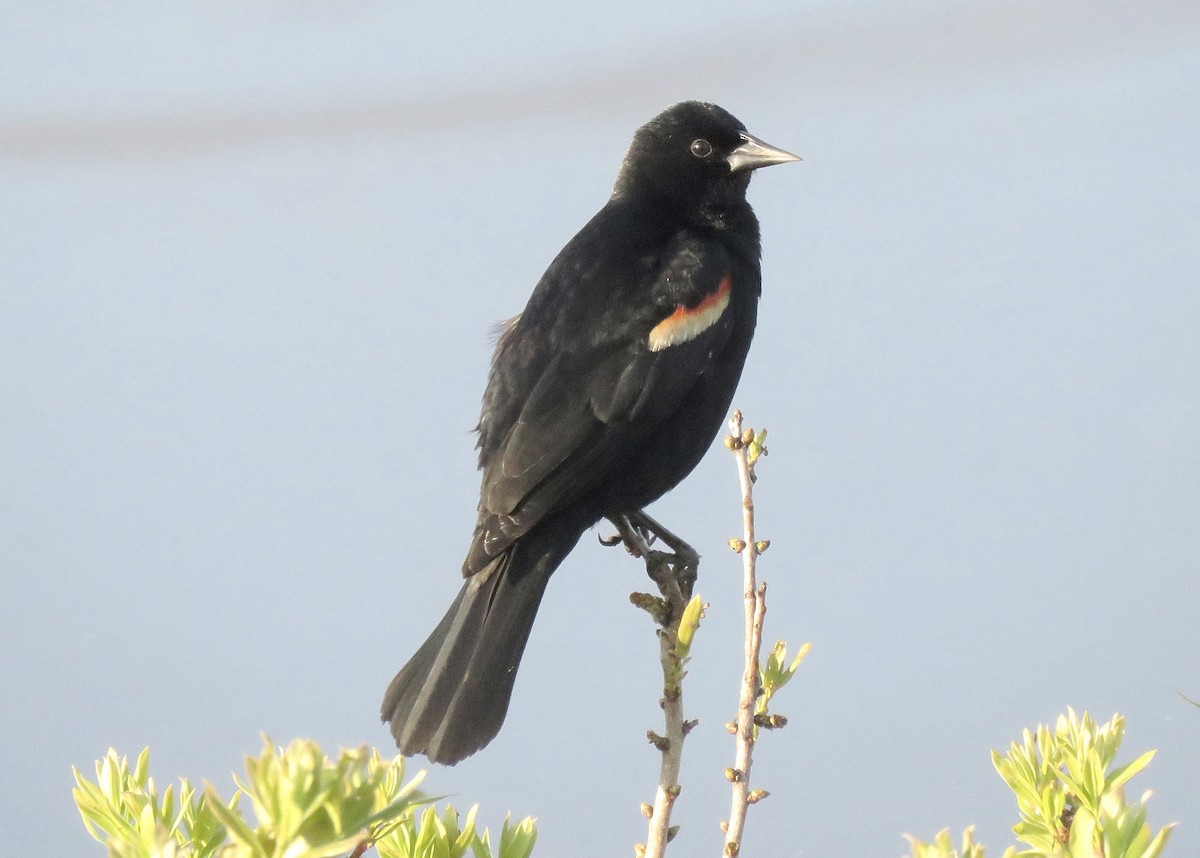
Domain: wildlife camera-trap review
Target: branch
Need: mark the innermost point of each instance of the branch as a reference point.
(746, 449)
(674, 573)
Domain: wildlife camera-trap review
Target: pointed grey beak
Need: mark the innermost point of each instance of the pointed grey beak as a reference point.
(754, 153)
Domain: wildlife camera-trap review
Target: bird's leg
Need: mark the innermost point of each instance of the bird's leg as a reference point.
(685, 560)
(647, 525)
(636, 541)
(674, 572)
(658, 563)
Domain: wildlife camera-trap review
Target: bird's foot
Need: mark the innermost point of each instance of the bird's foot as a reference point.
(674, 571)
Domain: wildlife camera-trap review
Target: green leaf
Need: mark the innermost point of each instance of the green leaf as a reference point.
(332, 849)
(757, 447)
(141, 772)
(689, 622)
(1154, 850)
(1083, 841)
(234, 825)
(517, 841)
(1127, 771)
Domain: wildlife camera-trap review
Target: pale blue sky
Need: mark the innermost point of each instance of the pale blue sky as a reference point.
(251, 259)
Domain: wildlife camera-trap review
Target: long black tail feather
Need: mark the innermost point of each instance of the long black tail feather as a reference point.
(451, 698)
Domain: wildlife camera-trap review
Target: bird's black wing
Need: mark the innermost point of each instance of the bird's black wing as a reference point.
(582, 376)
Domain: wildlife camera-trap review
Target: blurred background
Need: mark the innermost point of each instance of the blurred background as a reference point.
(250, 256)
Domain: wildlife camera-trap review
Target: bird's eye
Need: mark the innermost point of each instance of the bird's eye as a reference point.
(701, 148)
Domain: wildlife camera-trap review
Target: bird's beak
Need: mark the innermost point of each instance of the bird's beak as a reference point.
(754, 153)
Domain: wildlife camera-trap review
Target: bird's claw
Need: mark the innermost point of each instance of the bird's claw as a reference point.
(674, 571)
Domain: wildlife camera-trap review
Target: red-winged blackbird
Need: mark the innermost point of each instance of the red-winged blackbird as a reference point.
(603, 394)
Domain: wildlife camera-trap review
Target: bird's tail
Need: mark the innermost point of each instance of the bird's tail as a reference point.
(451, 698)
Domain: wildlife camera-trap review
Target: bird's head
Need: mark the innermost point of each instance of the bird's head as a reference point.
(694, 154)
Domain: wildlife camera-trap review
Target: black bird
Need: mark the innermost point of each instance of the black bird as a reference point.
(603, 394)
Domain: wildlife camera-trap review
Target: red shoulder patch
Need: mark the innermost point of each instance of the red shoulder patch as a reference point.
(687, 323)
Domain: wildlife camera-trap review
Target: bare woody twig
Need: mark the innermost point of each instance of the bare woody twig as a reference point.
(674, 573)
(746, 448)
(660, 830)
(677, 615)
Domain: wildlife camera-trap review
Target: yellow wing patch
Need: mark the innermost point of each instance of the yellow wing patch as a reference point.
(687, 323)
